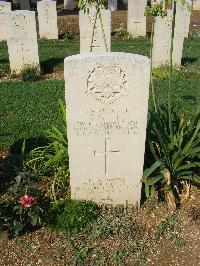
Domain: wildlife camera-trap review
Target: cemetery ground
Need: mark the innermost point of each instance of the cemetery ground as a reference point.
(151, 235)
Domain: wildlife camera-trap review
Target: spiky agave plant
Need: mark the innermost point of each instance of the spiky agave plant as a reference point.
(174, 143)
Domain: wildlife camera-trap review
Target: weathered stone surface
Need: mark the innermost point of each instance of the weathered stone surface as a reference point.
(179, 36)
(69, 4)
(22, 40)
(107, 104)
(94, 36)
(24, 4)
(162, 40)
(112, 5)
(47, 19)
(185, 10)
(196, 4)
(136, 17)
(5, 8)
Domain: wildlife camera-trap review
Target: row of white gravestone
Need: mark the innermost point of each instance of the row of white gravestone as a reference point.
(18, 28)
(47, 19)
(70, 4)
(162, 37)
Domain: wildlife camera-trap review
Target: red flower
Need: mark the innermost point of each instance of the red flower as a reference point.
(26, 201)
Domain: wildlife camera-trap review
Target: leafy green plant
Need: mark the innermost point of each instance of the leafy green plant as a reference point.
(82, 254)
(51, 160)
(30, 73)
(175, 146)
(171, 226)
(72, 214)
(120, 32)
(69, 35)
(25, 205)
(176, 156)
(119, 256)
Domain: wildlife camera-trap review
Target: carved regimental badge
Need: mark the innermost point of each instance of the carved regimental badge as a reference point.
(107, 83)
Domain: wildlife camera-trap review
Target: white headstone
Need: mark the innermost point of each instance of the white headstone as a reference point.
(112, 5)
(107, 104)
(94, 36)
(136, 17)
(185, 10)
(179, 36)
(162, 40)
(69, 4)
(22, 40)
(47, 19)
(196, 4)
(24, 4)
(5, 8)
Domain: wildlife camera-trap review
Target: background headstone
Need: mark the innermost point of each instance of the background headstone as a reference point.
(93, 38)
(47, 19)
(5, 8)
(179, 35)
(196, 4)
(112, 5)
(22, 40)
(69, 4)
(136, 17)
(107, 104)
(184, 10)
(24, 4)
(162, 40)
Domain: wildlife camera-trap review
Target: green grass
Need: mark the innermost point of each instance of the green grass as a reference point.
(28, 109)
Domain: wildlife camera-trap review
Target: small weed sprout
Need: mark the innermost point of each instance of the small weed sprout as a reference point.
(30, 73)
(120, 32)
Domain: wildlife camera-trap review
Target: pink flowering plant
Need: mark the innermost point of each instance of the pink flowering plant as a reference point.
(27, 205)
(27, 214)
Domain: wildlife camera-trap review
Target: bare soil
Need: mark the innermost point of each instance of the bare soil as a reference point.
(141, 245)
(68, 21)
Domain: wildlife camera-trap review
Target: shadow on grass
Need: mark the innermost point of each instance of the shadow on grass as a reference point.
(188, 60)
(12, 164)
(48, 66)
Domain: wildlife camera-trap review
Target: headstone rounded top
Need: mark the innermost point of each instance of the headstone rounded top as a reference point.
(140, 59)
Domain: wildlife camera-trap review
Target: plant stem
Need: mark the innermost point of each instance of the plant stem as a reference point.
(151, 69)
(171, 68)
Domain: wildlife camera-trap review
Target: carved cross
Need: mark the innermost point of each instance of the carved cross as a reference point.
(107, 153)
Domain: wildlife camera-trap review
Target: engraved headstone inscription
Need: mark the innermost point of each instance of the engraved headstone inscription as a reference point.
(95, 34)
(22, 40)
(5, 8)
(47, 19)
(107, 106)
(136, 17)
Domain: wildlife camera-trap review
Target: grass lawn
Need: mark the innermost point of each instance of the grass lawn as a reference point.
(28, 109)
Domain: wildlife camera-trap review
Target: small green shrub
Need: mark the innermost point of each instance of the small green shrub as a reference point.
(120, 32)
(119, 256)
(25, 207)
(82, 254)
(30, 73)
(72, 214)
(161, 72)
(51, 160)
(69, 35)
